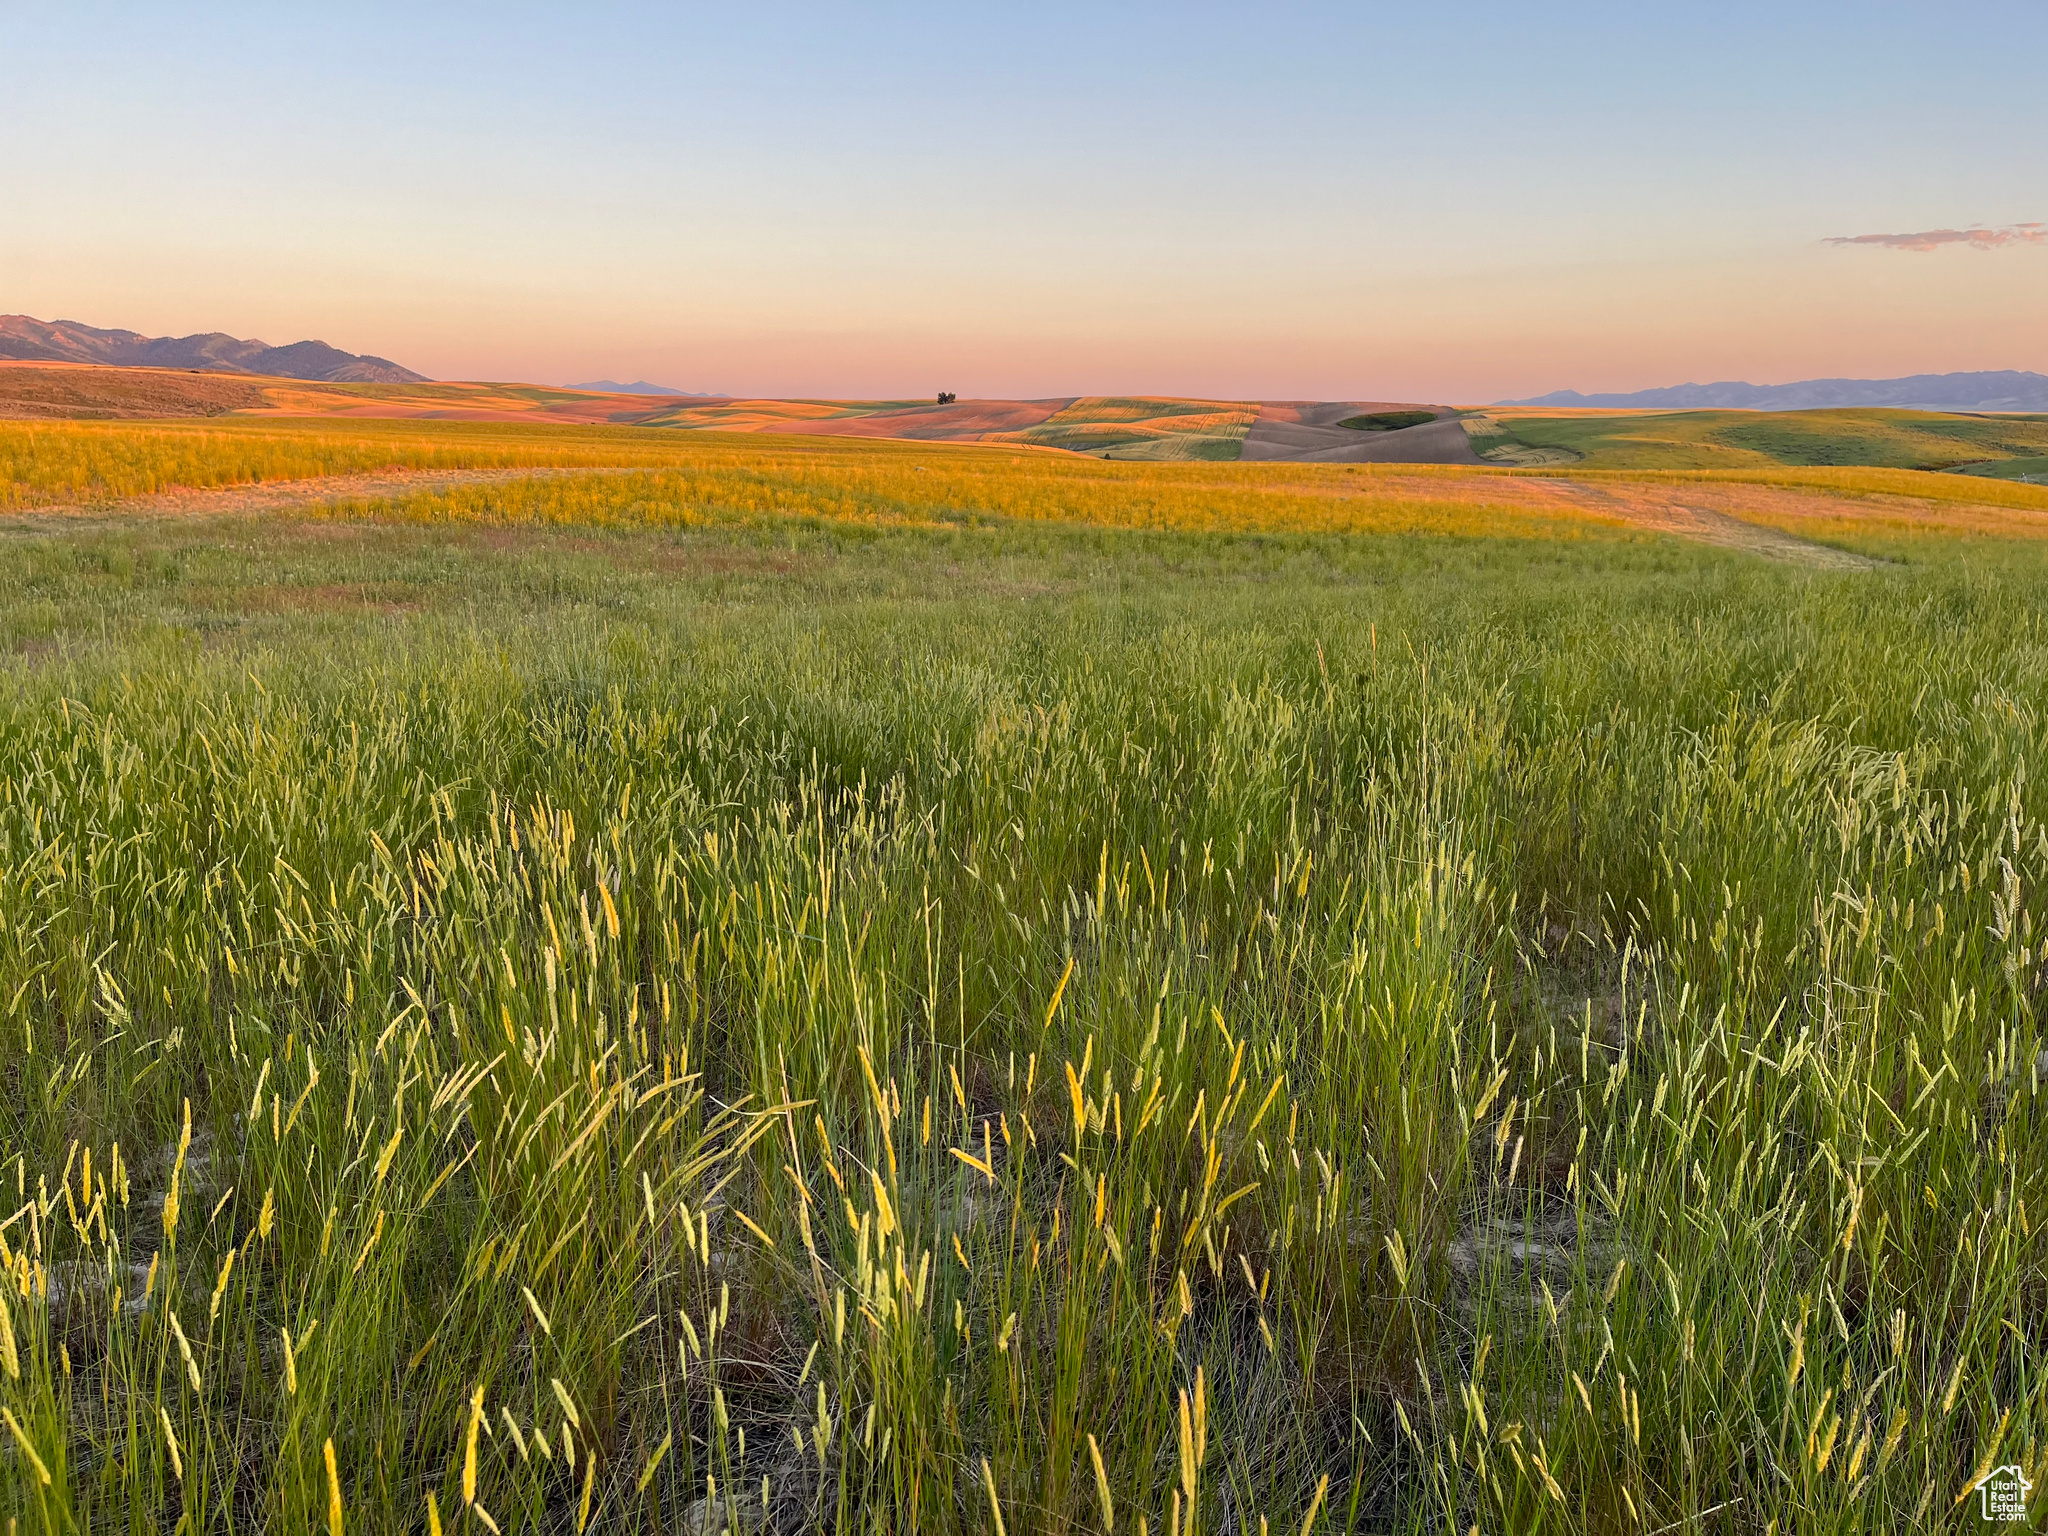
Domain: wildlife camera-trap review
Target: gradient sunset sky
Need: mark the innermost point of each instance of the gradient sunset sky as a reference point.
(1433, 202)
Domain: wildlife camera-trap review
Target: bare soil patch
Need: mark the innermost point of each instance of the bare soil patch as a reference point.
(1312, 432)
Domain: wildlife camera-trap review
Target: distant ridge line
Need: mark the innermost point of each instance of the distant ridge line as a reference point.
(23, 338)
(2004, 390)
(642, 387)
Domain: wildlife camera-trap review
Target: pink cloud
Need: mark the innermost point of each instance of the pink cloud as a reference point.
(1933, 239)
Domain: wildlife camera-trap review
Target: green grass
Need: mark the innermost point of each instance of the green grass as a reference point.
(1387, 421)
(1895, 439)
(2033, 469)
(1417, 1030)
(1746, 439)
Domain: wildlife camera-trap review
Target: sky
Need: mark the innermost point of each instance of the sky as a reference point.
(1324, 201)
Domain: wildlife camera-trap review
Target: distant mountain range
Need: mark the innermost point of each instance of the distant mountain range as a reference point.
(66, 341)
(2002, 391)
(642, 387)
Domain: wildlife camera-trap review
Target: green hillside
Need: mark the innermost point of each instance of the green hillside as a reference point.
(1754, 439)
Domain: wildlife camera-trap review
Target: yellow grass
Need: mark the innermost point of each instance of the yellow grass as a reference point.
(1162, 498)
(43, 462)
(666, 477)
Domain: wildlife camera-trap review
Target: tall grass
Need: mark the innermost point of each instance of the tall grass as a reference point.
(1561, 1058)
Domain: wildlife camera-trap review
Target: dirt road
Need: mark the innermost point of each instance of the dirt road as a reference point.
(1683, 512)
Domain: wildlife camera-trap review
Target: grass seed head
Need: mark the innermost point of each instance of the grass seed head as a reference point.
(334, 1523)
(476, 1423)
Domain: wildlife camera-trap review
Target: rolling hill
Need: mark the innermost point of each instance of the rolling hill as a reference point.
(1156, 428)
(2003, 446)
(1120, 427)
